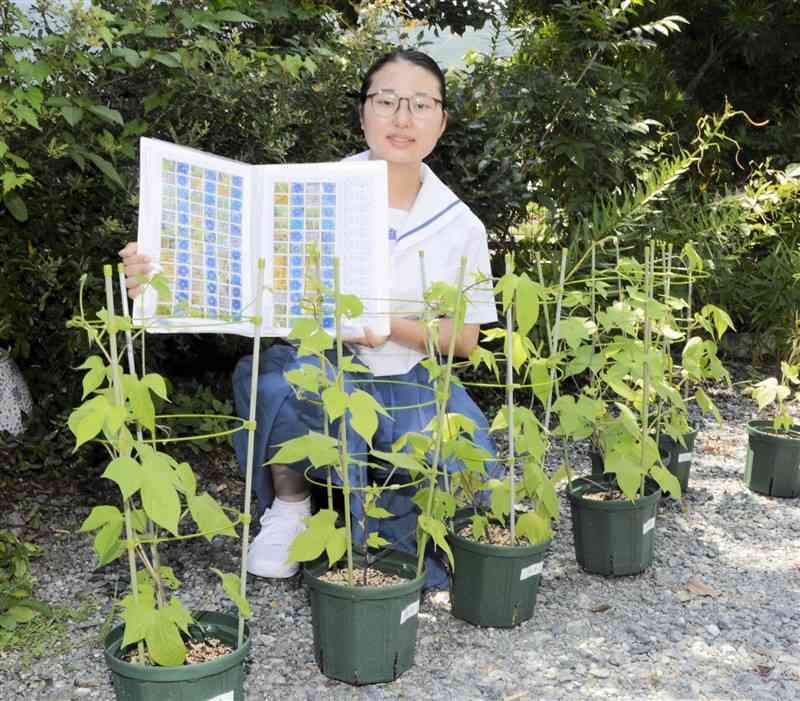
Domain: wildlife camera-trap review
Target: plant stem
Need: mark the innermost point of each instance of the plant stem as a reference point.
(648, 284)
(251, 437)
(116, 384)
(161, 595)
(510, 407)
(441, 405)
(343, 465)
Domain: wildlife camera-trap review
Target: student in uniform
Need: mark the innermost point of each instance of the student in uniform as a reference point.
(402, 115)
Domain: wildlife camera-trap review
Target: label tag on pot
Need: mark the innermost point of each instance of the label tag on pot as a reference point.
(684, 457)
(649, 525)
(227, 696)
(531, 570)
(409, 611)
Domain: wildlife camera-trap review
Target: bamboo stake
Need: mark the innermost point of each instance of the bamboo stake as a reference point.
(648, 282)
(343, 464)
(119, 400)
(251, 438)
(151, 528)
(510, 408)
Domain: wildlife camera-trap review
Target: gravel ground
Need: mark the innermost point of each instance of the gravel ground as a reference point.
(715, 617)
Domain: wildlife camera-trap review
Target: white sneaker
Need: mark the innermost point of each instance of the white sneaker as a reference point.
(269, 552)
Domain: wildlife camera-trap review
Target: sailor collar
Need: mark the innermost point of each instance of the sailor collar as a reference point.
(436, 207)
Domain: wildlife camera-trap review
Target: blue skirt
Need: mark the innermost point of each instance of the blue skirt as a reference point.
(409, 400)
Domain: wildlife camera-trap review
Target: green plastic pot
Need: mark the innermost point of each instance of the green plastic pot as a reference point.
(773, 460)
(678, 458)
(612, 537)
(365, 635)
(219, 680)
(495, 585)
(596, 459)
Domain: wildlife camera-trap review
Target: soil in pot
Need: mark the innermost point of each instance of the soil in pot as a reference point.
(613, 536)
(494, 584)
(221, 678)
(365, 634)
(773, 460)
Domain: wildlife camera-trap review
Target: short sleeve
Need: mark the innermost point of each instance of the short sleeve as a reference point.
(481, 307)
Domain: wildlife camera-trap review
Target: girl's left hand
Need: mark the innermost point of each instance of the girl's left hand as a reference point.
(369, 339)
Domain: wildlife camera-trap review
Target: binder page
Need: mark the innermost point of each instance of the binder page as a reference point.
(320, 212)
(195, 210)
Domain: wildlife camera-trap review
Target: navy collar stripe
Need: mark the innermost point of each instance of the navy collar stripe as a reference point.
(430, 221)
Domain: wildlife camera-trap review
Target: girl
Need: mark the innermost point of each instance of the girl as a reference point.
(402, 114)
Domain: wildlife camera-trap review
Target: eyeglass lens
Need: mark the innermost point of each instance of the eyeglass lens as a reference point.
(387, 103)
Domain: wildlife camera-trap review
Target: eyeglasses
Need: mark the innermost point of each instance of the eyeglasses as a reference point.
(387, 102)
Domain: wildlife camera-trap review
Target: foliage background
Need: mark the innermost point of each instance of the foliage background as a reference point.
(600, 98)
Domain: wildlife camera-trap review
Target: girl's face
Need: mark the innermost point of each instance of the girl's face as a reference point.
(402, 137)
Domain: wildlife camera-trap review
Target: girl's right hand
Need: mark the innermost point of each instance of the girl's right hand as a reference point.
(135, 264)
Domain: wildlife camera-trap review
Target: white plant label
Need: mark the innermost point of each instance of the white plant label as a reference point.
(409, 612)
(649, 525)
(227, 696)
(531, 570)
(684, 457)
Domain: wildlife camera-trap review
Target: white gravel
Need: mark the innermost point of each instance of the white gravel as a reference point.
(716, 616)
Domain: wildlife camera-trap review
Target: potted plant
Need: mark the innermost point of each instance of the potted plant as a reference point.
(498, 553)
(364, 595)
(614, 514)
(162, 649)
(773, 448)
(700, 332)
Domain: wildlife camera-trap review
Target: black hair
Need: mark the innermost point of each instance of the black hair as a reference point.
(418, 58)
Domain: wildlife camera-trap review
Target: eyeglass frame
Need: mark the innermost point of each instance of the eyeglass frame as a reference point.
(400, 99)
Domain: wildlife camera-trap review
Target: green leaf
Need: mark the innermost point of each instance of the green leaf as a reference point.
(350, 306)
(335, 402)
(232, 586)
(171, 59)
(178, 614)
(92, 380)
(336, 546)
(306, 546)
(499, 499)
(22, 614)
(7, 621)
(211, 520)
(16, 206)
(156, 383)
(437, 531)
(378, 512)
(108, 114)
(72, 114)
(540, 379)
(707, 405)
(159, 497)
(376, 541)
(138, 616)
(105, 542)
(106, 168)
(164, 642)
(233, 16)
(527, 304)
(126, 473)
(666, 480)
(187, 478)
(574, 330)
(99, 516)
(405, 461)
(363, 412)
(533, 527)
